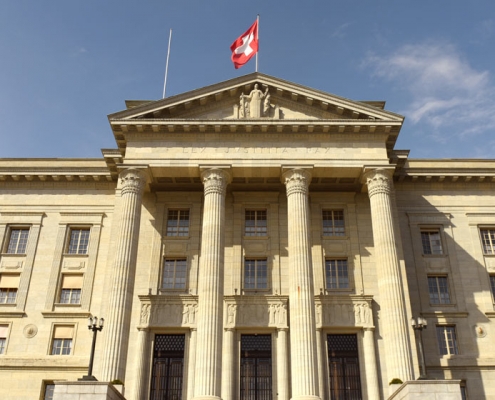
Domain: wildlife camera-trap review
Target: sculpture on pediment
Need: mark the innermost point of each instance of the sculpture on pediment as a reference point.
(255, 105)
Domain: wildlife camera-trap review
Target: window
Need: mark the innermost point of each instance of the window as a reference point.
(178, 223)
(49, 388)
(431, 242)
(492, 284)
(343, 367)
(336, 274)
(333, 223)
(256, 367)
(8, 288)
(464, 395)
(255, 223)
(70, 290)
(255, 273)
(174, 273)
(79, 241)
(62, 340)
(18, 240)
(488, 240)
(167, 376)
(439, 290)
(447, 339)
(4, 330)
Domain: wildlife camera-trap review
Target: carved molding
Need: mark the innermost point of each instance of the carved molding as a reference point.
(379, 181)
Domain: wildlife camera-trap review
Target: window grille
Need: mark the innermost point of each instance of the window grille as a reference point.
(256, 367)
(168, 367)
(431, 241)
(255, 273)
(438, 289)
(488, 240)
(174, 273)
(255, 223)
(18, 241)
(79, 241)
(337, 274)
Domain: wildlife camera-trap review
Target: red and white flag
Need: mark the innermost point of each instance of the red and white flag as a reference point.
(245, 46)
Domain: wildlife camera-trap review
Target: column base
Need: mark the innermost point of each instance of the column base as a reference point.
(207, 398)
(306, 398)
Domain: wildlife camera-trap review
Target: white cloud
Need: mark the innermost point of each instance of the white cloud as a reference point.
(444, 90)
(340, 31)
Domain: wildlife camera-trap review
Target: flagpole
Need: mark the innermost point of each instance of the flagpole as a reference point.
(257, 39)
(166, 65)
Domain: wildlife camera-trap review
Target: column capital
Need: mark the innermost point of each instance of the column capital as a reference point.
(297, 180)
(229, 329)
(282, 329)
(132, 180)
(215, 180)
(379, 181)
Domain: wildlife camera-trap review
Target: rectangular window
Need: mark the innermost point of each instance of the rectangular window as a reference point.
(333, 223)
(62, 340)
(18, 240)
(431, 242)
(255, 223)
(48, 392)
(178, 223)
(174, 273)
(256, 367)
(439, 290)
(79, 241)
(70, 290)
(336, 273)
(492, 284)
(343, 367)
(8, 288)
(4, 330)
(447, 339)
(255, 273)
(488, 240)
(167, 376)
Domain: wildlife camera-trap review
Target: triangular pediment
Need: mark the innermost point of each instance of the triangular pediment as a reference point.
(255, 97)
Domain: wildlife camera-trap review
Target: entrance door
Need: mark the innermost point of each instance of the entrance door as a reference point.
(168, 367)
(256, 367)
(343, 366)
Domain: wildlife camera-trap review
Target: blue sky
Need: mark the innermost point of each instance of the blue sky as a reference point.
(66, 65)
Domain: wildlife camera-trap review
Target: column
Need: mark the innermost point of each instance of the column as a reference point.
(118, 316)
(370, 364)
(142, 366)
(321, 362)
(304, 364)
(228, 378)
(191, 364)
(282, 365)
(393, 319)
(210, 286)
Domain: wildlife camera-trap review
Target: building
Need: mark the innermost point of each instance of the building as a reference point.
(253, 239)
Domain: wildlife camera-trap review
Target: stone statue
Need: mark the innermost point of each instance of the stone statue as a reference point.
(271, 312)
(145, 313)
(256, 107)
(231, 310)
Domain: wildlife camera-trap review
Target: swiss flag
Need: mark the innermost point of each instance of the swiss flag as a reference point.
(245, 46)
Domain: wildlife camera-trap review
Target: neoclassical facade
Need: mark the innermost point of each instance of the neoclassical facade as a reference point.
(254, 239)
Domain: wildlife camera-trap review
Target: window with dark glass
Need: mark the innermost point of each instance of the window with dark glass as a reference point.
(438, 289)
(256, 367)
(333, 223)
(447, 339)
(168, 367)
(18, 240)
(492, 284)
(336, 274)
(174, 273)
(178, 223)
(431, 242)
(343, 366)
(488, 240)
(78, 241)
(255, 223)
(255, 273)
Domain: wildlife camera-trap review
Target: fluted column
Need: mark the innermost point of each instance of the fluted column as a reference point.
(370, 364)
(118, 316)
(142, 359)
(321, 362)
(393, 319)
(304, 364)
(282, 365)
(228, 380)
(210, 286)
(191, 365)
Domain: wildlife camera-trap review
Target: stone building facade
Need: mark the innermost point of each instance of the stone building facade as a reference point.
(253, 239)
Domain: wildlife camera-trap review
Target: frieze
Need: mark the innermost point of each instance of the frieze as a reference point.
(344, 311)
(247, 311)
(168, 311)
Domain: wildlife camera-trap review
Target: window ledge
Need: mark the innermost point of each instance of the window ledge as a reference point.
(173, 291)
(441, 305)
(435, 255)
(14, 254)
(65, 314)
(334, 237)
(254, 291)
(68, 305)
(75, 255)
(264, 237)
(5, 313)
(489, 255)
(176, 237)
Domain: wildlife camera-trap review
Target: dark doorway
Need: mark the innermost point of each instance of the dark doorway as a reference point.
(168, 367)
(256, 367)
(343, 366)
